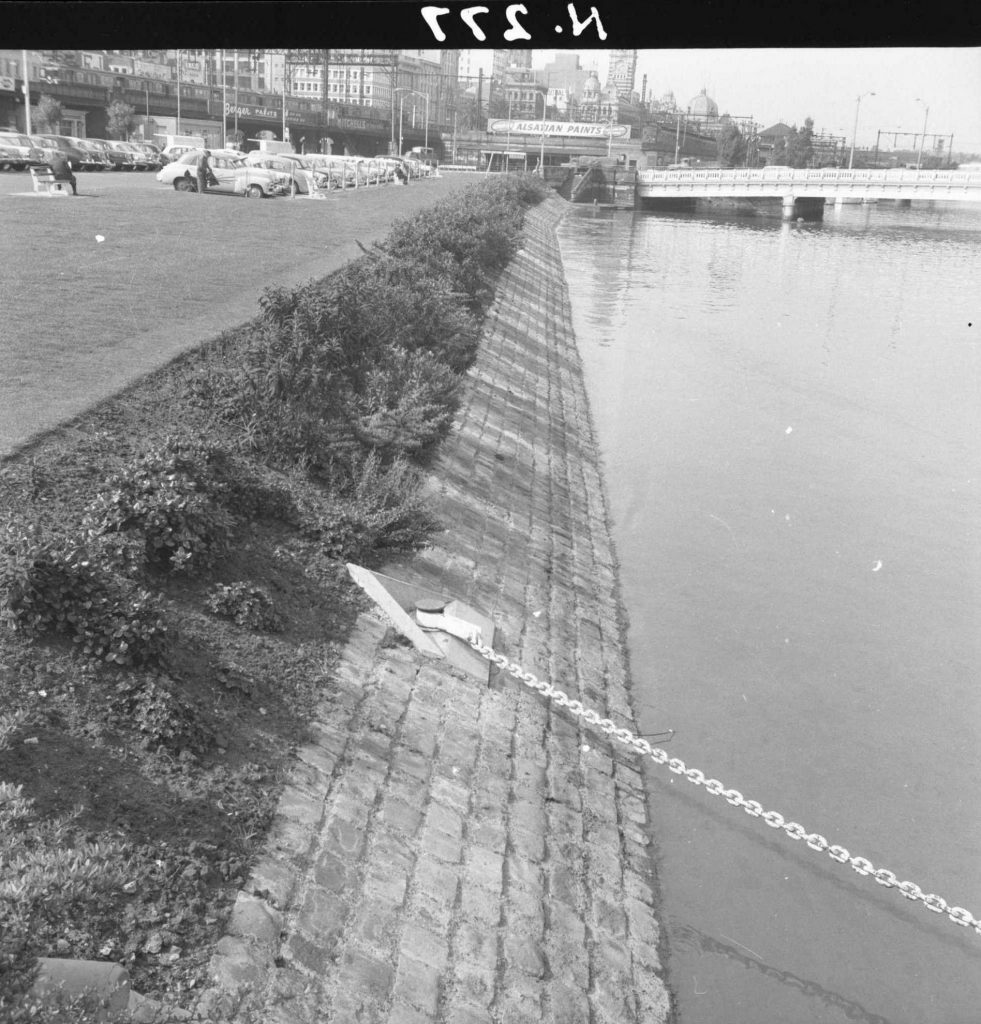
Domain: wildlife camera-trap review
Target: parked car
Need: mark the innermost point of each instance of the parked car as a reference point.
(175, 151)
(235, 175)
(50, 144)
(120, 157)
(332, 171)
(153, 157)
(20, 151)
(8, 157)
(140, 158)
(291, 164)
(94, 156)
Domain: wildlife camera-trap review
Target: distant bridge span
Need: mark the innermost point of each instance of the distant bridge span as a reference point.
(790, 184)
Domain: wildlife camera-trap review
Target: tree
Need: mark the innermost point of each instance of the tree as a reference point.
(119, 119)
(796, 148)
(805, 144)
(47, 117)
(731, 146)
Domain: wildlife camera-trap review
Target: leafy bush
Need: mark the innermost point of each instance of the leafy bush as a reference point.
(48, 874)
(467, 239)
(406, 403)
(280, 387)
(246, 605)
(54, 585)
(407, 306)
(165, 509)
(316, 374)
(368, 506)
(150, 704)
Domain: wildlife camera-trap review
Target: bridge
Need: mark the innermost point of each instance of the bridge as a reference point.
(791, 184)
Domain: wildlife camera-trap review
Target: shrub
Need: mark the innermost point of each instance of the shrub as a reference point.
(467, 239)
(48, 874)
(369, 507)
(54, 585)
(406, 403)
(165, 509)
(321, 368)
(162, 718)
(245, 605)
(409, 307)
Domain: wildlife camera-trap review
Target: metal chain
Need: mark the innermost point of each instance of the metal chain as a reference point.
(774, 819)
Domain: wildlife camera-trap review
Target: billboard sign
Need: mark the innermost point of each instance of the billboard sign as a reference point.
(566, 129)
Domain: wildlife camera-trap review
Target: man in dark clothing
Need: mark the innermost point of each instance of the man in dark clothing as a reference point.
(204, 172)
(62, 171)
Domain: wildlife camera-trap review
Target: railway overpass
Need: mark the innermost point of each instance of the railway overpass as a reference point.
(792, 185)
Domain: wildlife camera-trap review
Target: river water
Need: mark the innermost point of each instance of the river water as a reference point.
(790, 422)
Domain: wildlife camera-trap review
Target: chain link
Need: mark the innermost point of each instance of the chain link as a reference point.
(774, 819)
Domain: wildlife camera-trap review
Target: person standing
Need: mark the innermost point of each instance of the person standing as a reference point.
(204, 172)
(62, 171)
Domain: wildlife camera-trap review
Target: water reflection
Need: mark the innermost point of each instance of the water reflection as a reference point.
(694, 941)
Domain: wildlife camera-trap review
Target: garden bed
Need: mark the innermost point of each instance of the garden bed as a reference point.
(174, 597)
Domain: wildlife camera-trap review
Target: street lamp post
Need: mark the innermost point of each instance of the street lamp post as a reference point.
(926, 114)
(541, 155)
(858, 103)
(178, 92)
(422, 96)
(224, 102)
(27, 94)
(401, 102)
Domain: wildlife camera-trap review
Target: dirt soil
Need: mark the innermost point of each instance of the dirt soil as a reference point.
(192, 813)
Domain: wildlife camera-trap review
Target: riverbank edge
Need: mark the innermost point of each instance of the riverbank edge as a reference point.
(481, 858)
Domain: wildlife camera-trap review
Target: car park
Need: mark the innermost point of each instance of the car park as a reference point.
(20, 151)
(142, 159)
(290, 164)
(95, 158)
(333, 171)
(235, 175)
(120, 157)
(51, 144)
(153, 158)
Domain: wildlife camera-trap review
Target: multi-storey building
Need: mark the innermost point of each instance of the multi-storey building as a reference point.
(623, 70)
(502, 60)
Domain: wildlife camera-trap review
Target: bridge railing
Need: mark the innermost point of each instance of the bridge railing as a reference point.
(791, 176)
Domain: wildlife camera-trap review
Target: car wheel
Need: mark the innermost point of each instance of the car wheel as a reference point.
(254, 192)
(184, 185)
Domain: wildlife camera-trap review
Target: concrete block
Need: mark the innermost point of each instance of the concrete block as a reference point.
(107, 983)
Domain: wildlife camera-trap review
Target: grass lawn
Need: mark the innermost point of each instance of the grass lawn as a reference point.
(80, 317)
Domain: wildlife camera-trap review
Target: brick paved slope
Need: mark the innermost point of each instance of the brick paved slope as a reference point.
(456, 853)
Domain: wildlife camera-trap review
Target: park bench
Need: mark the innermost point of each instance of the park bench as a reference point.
(44, 181)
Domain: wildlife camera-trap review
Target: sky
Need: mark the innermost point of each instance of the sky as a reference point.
(790, 84)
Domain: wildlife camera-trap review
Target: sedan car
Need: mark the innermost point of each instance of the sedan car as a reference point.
(94, 156)
(119, 156)
(234, 174)
(153, 158)
(290, 164)
(19, 151)
(50, 144)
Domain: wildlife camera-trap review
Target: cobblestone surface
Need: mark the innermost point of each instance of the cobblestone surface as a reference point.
(452, 852)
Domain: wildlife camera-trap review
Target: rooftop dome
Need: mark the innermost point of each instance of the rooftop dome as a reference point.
(703, 106)
(591, 88)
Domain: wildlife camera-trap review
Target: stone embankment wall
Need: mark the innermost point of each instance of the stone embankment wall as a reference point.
(450, 851)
